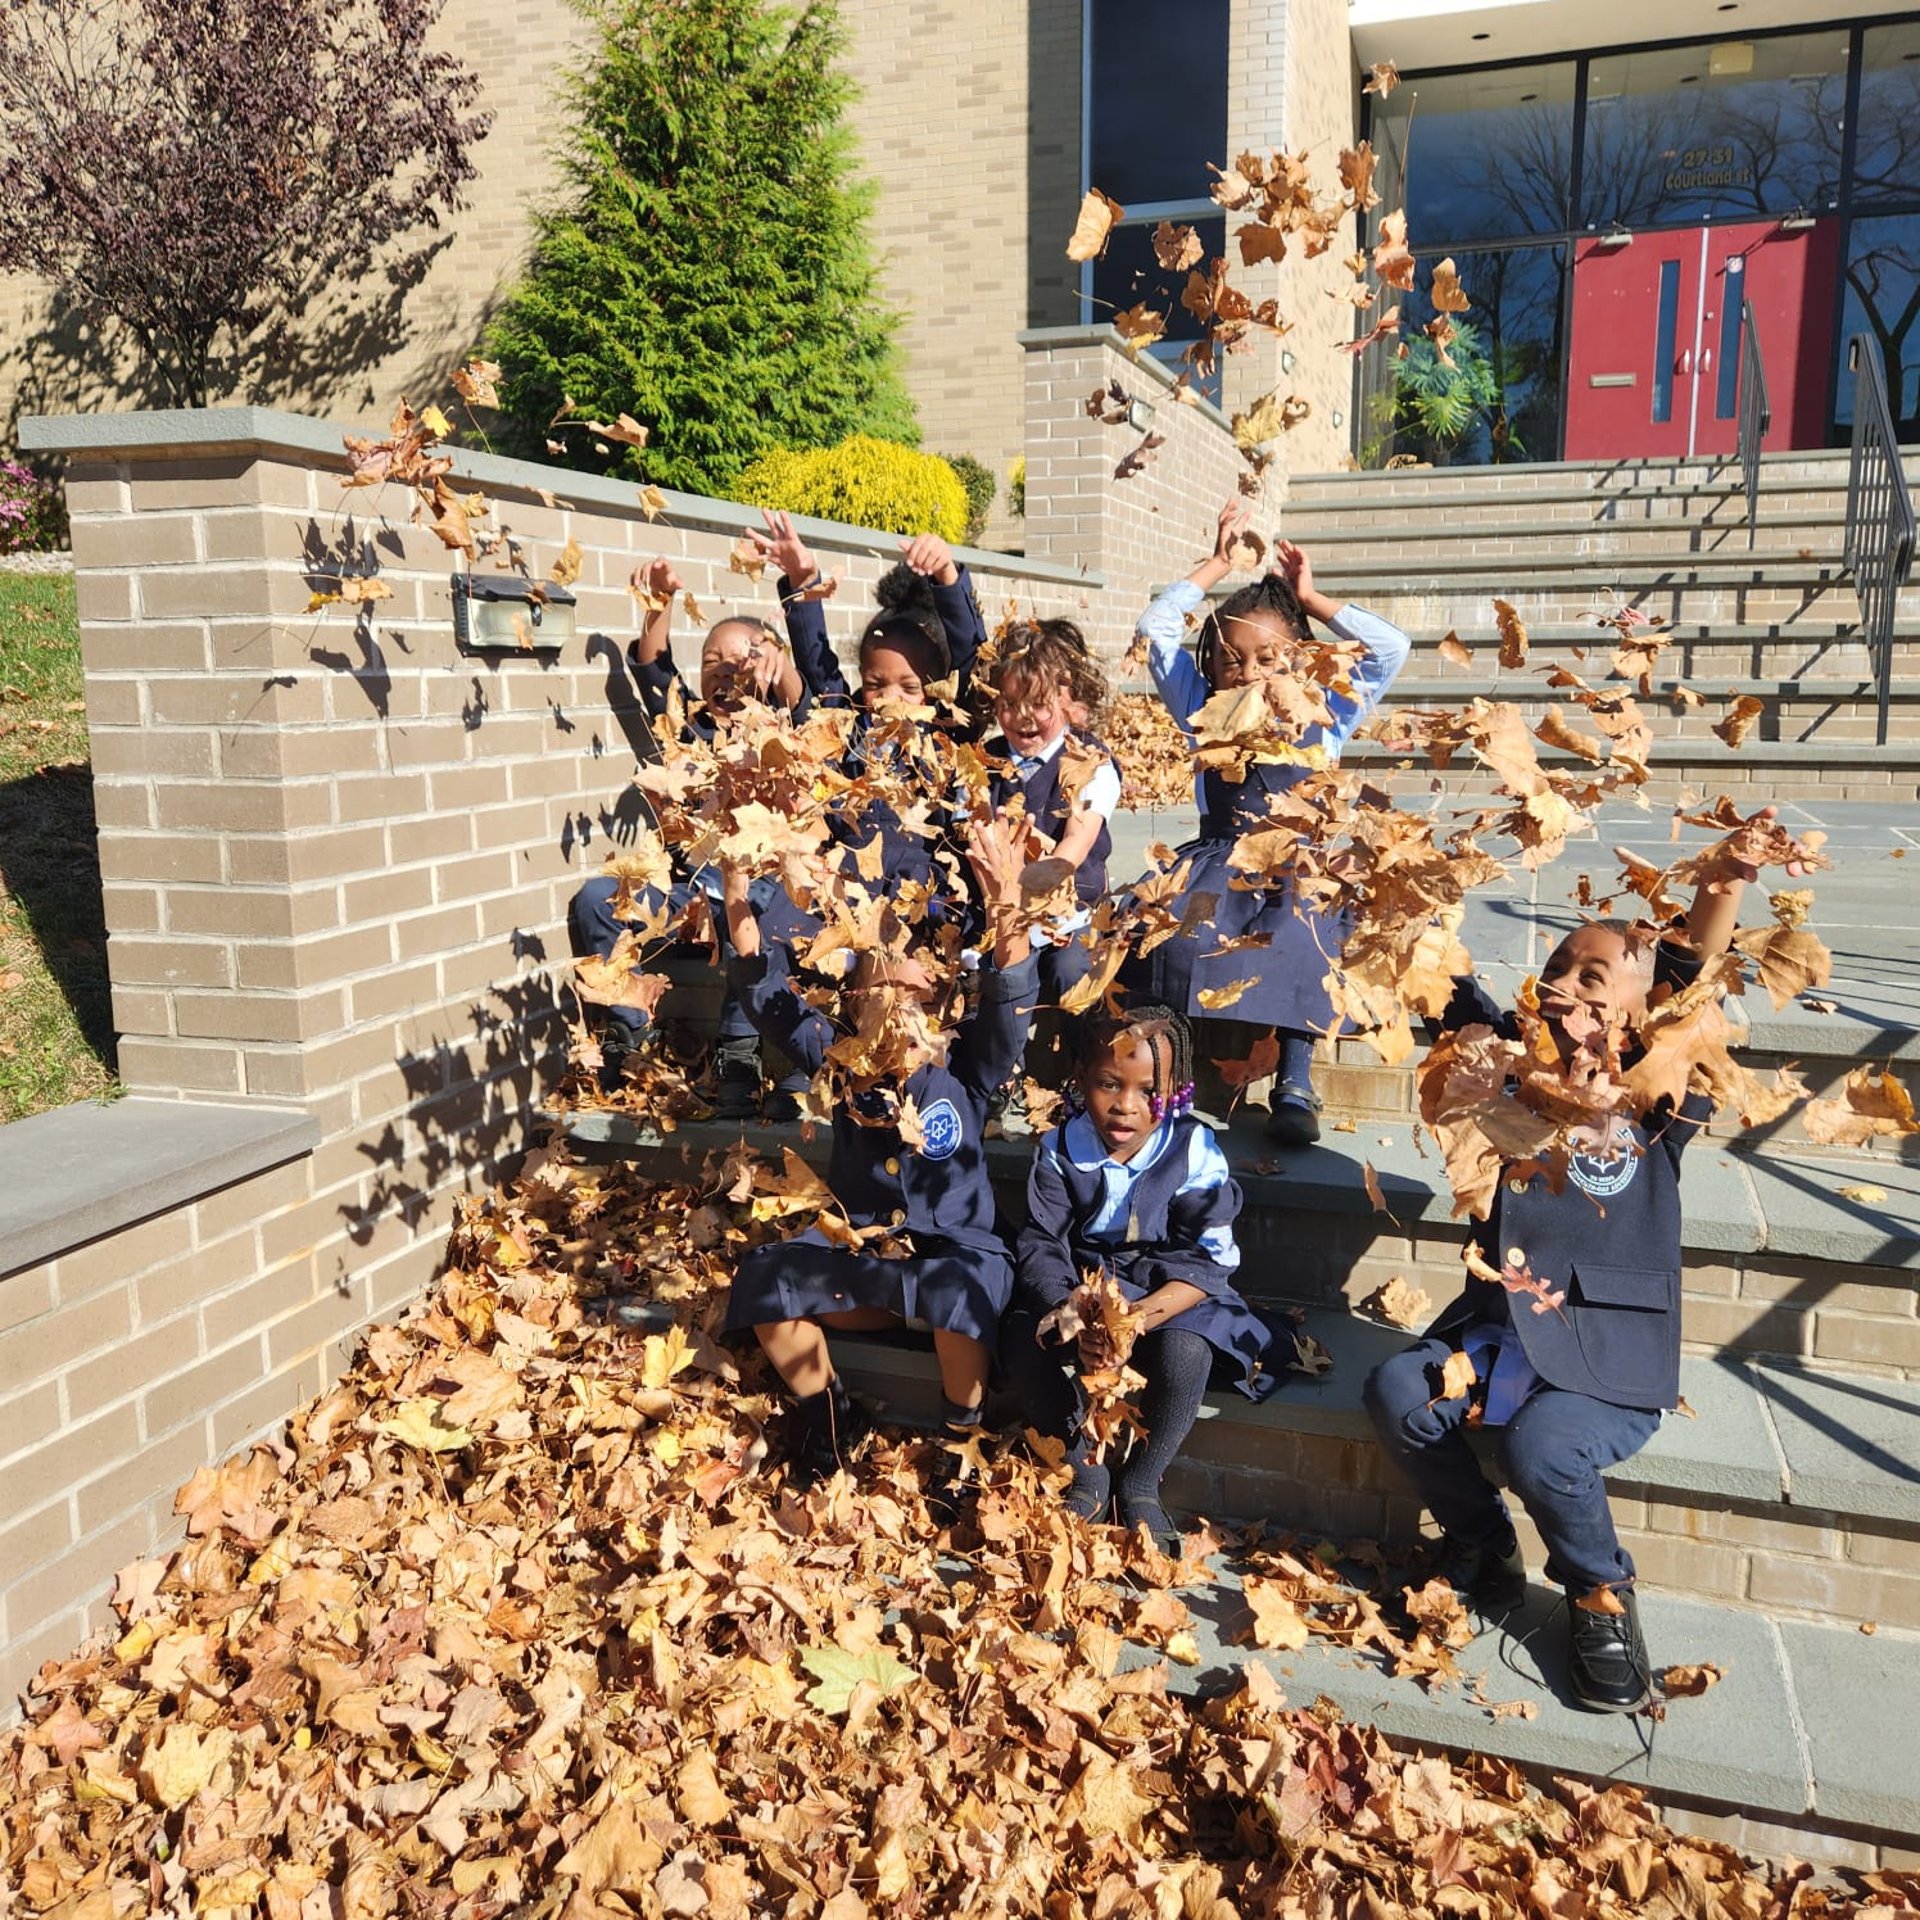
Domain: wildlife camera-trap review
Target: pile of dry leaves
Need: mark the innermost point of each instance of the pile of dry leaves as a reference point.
(517, 1619)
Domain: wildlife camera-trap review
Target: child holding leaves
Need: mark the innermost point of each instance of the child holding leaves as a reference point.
(908, 1164)
(1136, 1186)
(1253, 640)
(741, 660)
(1567, 1337)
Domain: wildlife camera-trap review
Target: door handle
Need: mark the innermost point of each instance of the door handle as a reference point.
(1684, 365)
(1706, 361)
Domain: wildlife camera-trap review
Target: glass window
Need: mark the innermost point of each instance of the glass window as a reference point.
(1886, 162)
(1129, 272)
(1479, 156)
(1500, 401)
(1883, 301)
(1720, 129)
(1157, 106)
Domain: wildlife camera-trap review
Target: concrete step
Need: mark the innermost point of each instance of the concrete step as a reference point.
(1821, 467)
(1437, 534)
(1723, 505)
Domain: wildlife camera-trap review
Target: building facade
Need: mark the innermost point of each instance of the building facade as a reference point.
(1618, 191)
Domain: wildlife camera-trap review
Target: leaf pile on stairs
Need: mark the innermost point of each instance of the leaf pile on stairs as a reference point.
(518, 1619)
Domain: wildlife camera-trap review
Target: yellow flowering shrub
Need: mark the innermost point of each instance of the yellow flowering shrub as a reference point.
(863, 482)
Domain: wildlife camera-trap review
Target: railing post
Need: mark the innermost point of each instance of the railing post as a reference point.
(1756, 414)
(1880, 518)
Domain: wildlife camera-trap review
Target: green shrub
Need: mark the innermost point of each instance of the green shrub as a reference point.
(864, 482)
(1017, 486)
(708, 268)
(977, 477)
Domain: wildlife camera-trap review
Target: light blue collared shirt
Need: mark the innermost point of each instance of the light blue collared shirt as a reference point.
(1112, 1224)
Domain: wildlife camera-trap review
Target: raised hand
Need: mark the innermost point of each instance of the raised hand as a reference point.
(783, 548)
(1232, 523)
(927, 553)
(655, 581)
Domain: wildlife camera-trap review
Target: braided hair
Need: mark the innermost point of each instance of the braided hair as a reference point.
(1272, 593)
(1165, 1034)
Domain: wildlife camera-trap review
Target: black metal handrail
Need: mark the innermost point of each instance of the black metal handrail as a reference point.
(1880, 523)
(1756, 416)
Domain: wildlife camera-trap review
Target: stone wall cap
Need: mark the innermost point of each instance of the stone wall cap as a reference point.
(205, 432)
(80, 1172)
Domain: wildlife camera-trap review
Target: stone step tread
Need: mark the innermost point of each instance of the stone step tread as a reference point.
(1656, 532)
(1763, 1432)
(1782, 1197)
(1764, 566)
(1495, 686)
(1809, 1719)
(1681, 749)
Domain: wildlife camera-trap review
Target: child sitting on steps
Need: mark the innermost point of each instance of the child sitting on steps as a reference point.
(1249, 638)
(1134, 1183)
(1581, 1384)
(934, 1196)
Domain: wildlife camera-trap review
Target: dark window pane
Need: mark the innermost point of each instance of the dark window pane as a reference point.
(1887, 158)
(1733, 304)
(1158, 101)
(1666, 326)
(1501, 399)
(1883, 301)
(1731, 128)
(1481, 156)
(1128, 273)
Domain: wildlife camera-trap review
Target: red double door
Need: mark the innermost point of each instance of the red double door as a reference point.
(1654, 357)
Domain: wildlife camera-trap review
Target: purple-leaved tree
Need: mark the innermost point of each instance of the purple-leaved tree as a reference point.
(196, 171)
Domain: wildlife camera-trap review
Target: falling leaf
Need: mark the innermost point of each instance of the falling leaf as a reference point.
(1446, 293)
(1217, 999)
(1392, 261)
(653, 503)
(1090, 230)
(1738, 723)
(626, 430)
(1455, 651)
(566, 570)
(1140, 326)
(1176, 248)
(1382, 77)
(1513, 634)
(1787, 959)
(1457, 1376)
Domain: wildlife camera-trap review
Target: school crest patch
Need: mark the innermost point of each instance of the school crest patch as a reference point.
(941, 1129)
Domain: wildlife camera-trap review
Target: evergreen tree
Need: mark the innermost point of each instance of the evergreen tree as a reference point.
(709, 270)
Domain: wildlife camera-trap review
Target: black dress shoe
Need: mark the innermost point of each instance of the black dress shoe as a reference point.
(1294, 1120)
(824, 1427)
(1491, 1580)
(1611, 1672)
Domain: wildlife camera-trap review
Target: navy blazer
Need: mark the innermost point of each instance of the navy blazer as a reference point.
(938, 1191)
(1180, 1203)
(1048, 810)
(1610, 1239)
(819, 665)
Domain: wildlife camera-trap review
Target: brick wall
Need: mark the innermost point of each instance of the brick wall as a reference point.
(1138, 533)
(133, 1359)
(336, 858)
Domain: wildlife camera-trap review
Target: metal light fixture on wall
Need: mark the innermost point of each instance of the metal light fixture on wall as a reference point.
(1798, 221)
(1614, 239)
(1286, 360)
(505, 613)
(1139, 415)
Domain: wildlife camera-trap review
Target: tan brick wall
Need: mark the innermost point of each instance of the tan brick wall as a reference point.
(1141, 532)
(134, 1359)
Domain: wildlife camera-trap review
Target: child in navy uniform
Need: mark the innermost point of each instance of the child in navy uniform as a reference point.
(936, 1197)
(1137, 1185)
(741, 659)
(927, 633)
(1581, 1385)
(1064, 776)
(1245, 641)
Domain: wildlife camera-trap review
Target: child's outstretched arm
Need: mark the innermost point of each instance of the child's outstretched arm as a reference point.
(953, 597)
(1715, 914)
(651, 654)
(1386, 646)
(991, 1044)
(759, 974)
(817, 665)
(1181, 685)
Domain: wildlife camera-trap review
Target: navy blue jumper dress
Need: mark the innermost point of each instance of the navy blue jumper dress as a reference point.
(1165, 1215)
(937, 1197)
(1289, 973)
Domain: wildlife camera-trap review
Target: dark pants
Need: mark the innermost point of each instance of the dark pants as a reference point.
(593, 929)
(1553, 1449)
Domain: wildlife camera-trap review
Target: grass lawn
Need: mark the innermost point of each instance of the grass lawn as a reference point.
(56, 1020)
